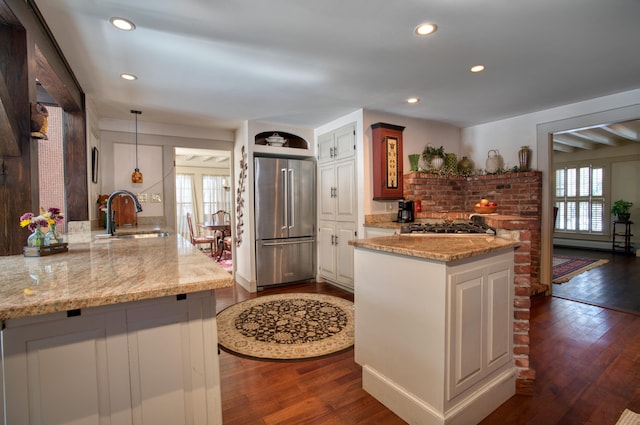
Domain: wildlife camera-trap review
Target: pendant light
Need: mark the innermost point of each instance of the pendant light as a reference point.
(136, 177)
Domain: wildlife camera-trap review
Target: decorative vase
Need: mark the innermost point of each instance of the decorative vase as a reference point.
(436, 163)
(36, 238)
(465, 166)
(52, 237)
(414, 160)
(450, 163)
(524, 158)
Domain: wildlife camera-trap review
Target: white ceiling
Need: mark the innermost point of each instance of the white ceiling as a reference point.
(306, 62)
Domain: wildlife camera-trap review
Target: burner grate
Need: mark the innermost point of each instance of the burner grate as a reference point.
(445, 228)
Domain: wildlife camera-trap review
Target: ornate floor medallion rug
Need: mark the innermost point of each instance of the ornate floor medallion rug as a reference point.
(287, 326)
(564, 268)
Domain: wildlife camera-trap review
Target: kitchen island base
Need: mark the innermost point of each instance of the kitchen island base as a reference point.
(435, 338)
(152, 361)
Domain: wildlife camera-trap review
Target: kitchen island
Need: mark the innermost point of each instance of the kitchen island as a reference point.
(118, 331)
(434, 324)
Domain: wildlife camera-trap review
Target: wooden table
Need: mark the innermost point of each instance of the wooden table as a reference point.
(224, 228)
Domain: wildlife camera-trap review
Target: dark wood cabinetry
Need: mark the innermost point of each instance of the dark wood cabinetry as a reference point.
(387, 161)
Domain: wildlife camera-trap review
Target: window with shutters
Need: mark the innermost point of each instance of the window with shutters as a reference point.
(580, 199)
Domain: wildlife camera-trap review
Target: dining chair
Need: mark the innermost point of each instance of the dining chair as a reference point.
(224, 240)
(200, 239)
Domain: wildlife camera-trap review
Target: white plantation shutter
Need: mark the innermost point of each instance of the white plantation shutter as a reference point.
(579, 197)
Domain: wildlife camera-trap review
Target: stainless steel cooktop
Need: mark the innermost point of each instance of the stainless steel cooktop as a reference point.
(455, 227)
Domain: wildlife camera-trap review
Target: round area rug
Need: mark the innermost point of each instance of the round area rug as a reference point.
(287, 326)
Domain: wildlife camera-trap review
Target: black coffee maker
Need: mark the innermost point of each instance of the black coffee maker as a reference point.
(405, 211)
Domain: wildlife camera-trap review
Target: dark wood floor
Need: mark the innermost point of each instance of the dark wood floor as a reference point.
(587, 361)
(615, 285)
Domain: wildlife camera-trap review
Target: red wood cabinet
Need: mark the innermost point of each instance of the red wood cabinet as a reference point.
(387, 161)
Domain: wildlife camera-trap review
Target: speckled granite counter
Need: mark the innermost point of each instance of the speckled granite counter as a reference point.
(436, 247)
(103, 272)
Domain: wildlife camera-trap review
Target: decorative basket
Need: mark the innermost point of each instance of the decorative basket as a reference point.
(485, 210)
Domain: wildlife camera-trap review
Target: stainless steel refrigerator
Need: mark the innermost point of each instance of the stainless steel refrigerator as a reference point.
(285, 211)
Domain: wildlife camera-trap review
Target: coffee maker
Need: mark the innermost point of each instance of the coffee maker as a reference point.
(405, 211)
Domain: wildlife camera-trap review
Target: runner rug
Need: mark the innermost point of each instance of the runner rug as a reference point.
(287, 327)
(564, 268)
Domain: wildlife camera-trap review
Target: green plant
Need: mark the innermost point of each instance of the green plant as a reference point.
(430, 152)
(621, 207)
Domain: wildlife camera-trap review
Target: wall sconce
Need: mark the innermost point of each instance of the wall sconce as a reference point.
(225, 184)
(136, 177)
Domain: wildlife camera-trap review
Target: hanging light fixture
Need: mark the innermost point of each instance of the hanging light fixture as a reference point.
(136, 177)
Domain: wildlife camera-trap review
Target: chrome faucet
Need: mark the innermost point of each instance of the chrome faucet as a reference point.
(110, 224)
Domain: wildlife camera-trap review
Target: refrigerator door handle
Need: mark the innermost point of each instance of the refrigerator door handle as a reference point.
(286, 243)
(285, 209)
(292, 200)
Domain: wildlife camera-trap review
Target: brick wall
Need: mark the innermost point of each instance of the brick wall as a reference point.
(519, 199)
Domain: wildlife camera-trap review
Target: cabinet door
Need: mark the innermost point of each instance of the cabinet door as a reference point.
(173, 383)
(327, 192)
(71, 370)
(345, 142)
(325, 147)
(326, 250)
(345, 209)
(467, 324)
(344, 253)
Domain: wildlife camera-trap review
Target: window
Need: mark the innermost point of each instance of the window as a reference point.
(185, 199)
(215, 195)
(579, 197)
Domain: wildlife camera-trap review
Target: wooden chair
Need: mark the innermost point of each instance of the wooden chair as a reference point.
(200, 240)
(224, 240)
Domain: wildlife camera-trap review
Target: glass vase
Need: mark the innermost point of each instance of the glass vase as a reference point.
(36, 238)
(52, 237)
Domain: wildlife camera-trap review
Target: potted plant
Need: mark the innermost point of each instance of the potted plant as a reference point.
(622, 209)
(433, 157)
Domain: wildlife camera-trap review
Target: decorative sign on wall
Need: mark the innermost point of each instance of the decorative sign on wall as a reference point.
(387, 161)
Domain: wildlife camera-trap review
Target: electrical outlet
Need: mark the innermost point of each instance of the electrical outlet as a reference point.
(390, 206)
(143, 197)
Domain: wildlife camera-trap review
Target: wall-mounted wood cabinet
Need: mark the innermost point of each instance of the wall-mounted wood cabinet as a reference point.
(387, 161)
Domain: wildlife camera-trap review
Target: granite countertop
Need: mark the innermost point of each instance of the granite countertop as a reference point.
(105, 271)
(437, 247)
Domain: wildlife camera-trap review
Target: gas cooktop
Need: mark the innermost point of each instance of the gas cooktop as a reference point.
(448, 228)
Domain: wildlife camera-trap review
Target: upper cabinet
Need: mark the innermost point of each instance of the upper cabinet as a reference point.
(340, 144)
(387, 161)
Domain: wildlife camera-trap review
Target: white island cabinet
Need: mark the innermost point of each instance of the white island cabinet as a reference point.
(118, 332)
(434, 337)
(147, 362)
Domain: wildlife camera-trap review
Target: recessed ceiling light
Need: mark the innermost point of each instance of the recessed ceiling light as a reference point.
(413, 100)
(477, 68)
(122, 24)
(128, 77)
(426, 29)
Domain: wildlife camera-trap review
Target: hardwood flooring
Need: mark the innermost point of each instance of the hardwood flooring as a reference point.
(587, 361)
(615, 285)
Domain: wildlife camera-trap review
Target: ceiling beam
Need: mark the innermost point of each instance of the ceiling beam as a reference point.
(629, 130)
(597, 136)
(562, 148)
(576, 142)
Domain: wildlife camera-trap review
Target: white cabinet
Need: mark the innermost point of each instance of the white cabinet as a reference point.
(146, 363)
(337, 212)
(480, 321)
(335, 255)
(337, 145)
(434, 339)
(337, 197)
